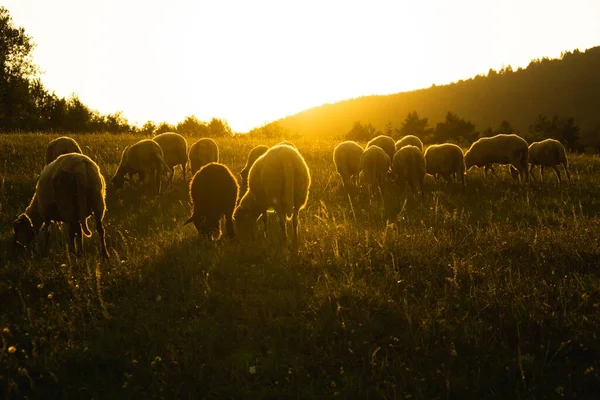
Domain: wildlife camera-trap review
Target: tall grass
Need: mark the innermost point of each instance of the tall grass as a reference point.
(490, 293)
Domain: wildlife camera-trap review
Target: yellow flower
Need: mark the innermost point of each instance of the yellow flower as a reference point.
(12, 349)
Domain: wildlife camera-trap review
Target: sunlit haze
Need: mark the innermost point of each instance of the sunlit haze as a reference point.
(251, 62)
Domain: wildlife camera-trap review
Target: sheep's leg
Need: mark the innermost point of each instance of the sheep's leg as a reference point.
(421, 183)
(101, 235)
(295, 225)
(229, 226)
(567, 172)
(282, 223)
(75, 237)
(491, 167)
(557, 172)
(531, 168)
(541, 173)
(45, 231)
(183, 170)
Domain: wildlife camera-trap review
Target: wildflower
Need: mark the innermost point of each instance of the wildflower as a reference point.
(12, 349)
(252, 369)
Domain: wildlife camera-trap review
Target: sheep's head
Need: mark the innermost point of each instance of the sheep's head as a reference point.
(118, 181)
(24, 230)
(205, 226)
(469, 159)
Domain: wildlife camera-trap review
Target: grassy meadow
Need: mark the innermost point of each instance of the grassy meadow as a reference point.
(490, 293)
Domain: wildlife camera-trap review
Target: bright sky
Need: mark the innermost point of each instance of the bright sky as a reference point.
(252, 62)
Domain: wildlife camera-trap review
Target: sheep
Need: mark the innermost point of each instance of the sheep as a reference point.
(174, 147)
(500, 149)
(447, 160)
(386, 143)
(214, 192)
(408, 166)
(280, 179)
(144, 158)
(375, 164)
(252, 156)
(203, 152)
(60, 146)
(70, 189)
(548, 153)
(346, 157)
(409, 139)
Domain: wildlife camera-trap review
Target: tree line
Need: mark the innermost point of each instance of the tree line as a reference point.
(463, 132)
(27, 106)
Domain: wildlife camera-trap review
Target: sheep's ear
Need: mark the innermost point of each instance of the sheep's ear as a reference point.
(190, 219)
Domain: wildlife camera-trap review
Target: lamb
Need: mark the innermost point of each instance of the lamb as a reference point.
(346, 157)
(500, 149)
(408, 166)
(144, 158)
(548, 153)
(60, 146)
(252, 156)
(375, 164)
(409, 140)
(203, 152)
(280, 179)
(446, 160)
(214, 192)
(70, 189)
(386, 143)
(174, 147)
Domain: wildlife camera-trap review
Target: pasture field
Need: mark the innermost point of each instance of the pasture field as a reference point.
(491, 293)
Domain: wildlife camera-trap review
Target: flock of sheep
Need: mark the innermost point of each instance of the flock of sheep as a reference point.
(71, 187)
(408, 164)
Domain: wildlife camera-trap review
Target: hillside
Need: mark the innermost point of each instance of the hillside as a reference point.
(569, 86)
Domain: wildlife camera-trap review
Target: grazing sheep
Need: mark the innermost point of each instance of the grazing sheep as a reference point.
(346, 157)
(60, 146)
(548, 153)
(70, 189)
(174, 147)
(446, 160)
(500, 149)
(280, 179)
(202, 152)
(408, 166)
(409, 140)
(144, 158)
(214, 192)
(375, 164)
(386, 143)
(252, 156)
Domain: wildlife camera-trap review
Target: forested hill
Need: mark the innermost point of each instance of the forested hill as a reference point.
(567, 87)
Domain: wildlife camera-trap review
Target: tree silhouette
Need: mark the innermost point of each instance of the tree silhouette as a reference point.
(413, 125)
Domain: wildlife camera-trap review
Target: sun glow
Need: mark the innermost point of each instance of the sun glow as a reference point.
(254, 62)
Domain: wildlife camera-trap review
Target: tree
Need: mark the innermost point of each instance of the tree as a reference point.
(219, 128)
(455, 129)
(273, 130)
(564, 130)
(164, 127)
(192, 126)
(16, 69)
(413, 125)
(362, 132)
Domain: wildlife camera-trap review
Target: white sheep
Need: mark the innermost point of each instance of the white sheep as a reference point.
(346, 157)
(375, 165)
(70, 189)
(446, 160)
(500, 149)
(214, 192)
(60, 146)
(548, 153)
(202, 152)
(386, 143)
(280, 179)
(408, 167)
(144, 158)
(174, 147)
(409, 140)
(252, 156)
